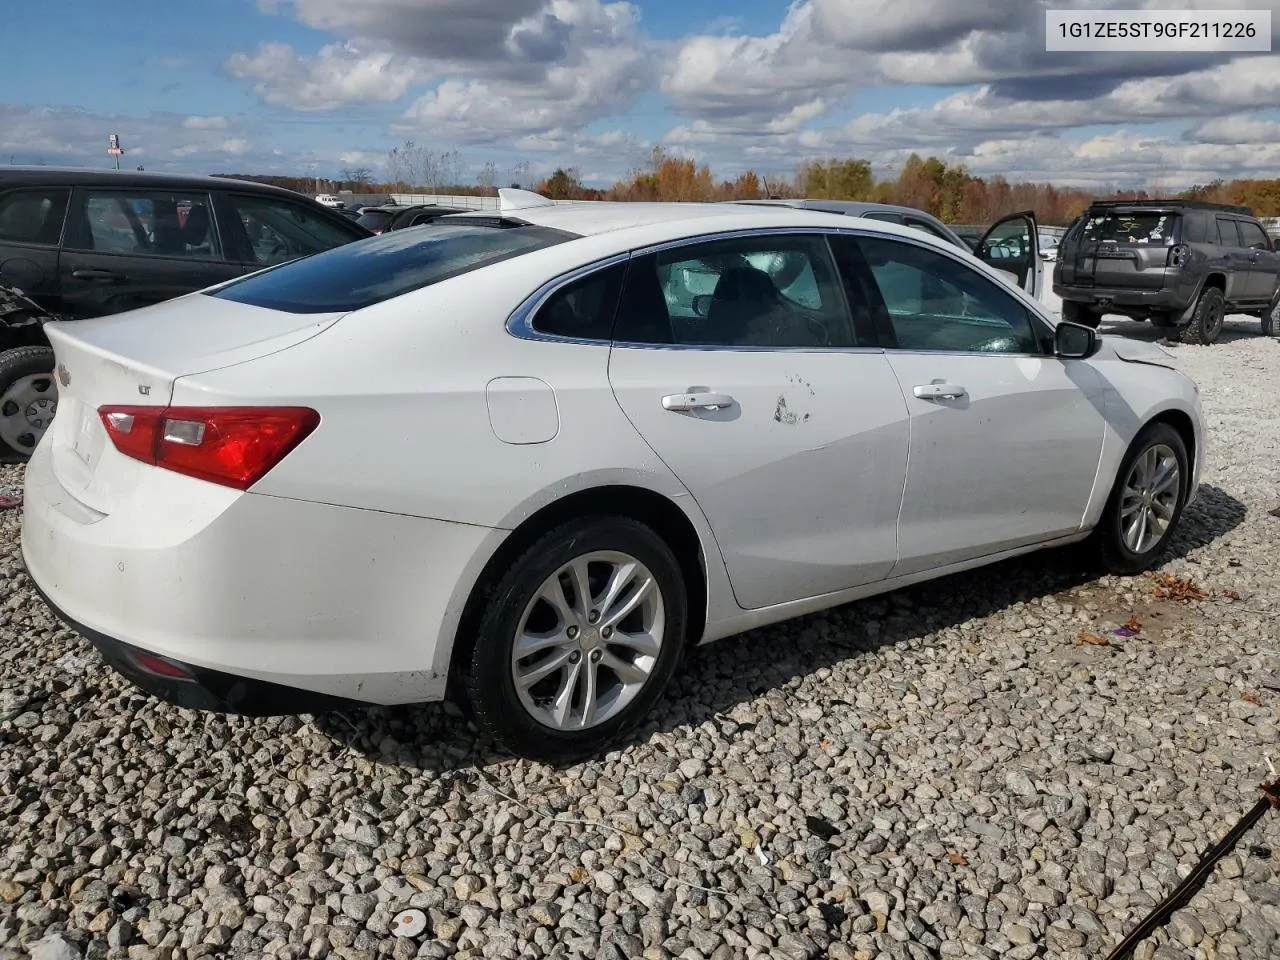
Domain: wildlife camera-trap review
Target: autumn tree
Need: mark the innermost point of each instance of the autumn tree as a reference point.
(563, 184)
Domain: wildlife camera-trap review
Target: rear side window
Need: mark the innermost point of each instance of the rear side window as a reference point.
(585, 308)
(1227, 234)
(33, 216)
(360, 274)
(154, 223)
(1193, 228)
(1140, 228)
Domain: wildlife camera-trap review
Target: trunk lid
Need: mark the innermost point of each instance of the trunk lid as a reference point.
(135, 358)
(1121, 247)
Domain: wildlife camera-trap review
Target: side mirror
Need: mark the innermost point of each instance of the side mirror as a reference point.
(702, 304)
(1074, 341)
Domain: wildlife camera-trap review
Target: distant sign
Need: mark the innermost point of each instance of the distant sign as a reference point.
(113, 146)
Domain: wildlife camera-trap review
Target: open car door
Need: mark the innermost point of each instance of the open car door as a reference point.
(1012, 246)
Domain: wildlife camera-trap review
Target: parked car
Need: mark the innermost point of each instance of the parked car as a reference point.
(1179, 264)
(83, 243)
(330, 201)
(382, 219)
(1007, 245)
(681, 421)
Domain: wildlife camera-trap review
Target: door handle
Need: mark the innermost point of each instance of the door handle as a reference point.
(940, 391)
(684, 402)
(96, 275)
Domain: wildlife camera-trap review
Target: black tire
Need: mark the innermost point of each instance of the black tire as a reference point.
(1074, 312)
(27, 399)
(488, 675)
(1107, 540)
(1271, 318)
(1206, 320)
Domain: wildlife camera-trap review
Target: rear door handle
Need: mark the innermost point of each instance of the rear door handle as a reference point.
(940, 391)
(96, 275)
(684, 402)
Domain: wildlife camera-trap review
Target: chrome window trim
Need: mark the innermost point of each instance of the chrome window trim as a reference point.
(520, 323)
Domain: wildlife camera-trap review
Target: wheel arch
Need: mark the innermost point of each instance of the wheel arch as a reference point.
(643, 504)
(1181, 421)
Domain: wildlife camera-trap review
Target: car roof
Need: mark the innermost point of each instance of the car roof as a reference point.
(92, 176)
(662, 221)
(846, 207)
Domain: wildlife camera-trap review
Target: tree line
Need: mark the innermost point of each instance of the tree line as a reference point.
(946, 190)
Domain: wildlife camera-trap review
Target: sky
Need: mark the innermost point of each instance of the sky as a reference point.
(310, 87)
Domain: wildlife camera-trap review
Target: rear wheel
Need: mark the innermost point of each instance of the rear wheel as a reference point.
(1206, 321)
(1146, 501)
(1271, 318)
(578, 639)
(1074, 312)
(28, 397)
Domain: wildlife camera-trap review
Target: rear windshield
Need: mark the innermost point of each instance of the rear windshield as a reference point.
(369, 271)
(374, 219)
(1145, 228)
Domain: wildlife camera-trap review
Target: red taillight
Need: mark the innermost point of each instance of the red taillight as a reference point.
(1178, 254)
(233, 446)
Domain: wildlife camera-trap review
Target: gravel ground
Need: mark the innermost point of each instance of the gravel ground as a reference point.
(949, 771)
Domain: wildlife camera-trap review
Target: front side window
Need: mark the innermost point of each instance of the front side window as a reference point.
(34, 215)
(157, 223)
(280, 231)
(583, 309)
(768, 291)
(360, 274)
(1252, 236)
(936, 303)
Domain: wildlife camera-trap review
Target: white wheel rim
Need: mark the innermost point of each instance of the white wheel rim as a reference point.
(26, 410)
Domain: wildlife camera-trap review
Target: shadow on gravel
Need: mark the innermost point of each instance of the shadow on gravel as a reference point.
(1235, 327)
(720, 676)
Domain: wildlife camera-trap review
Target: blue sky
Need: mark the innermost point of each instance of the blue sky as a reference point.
(314, 86)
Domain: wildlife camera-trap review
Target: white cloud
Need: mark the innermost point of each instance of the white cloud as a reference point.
(340, 73)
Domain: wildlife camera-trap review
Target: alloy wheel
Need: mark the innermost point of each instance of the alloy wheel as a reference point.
(1149, 500)
(588, 641)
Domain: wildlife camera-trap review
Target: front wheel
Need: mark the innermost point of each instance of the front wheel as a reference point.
(28, 397)
(1146, 501)
(578, 640)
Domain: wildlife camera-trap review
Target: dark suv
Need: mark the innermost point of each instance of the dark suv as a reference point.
(1179, 264)
(83, 243)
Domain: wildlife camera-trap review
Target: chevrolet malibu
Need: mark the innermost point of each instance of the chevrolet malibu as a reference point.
(534, 455)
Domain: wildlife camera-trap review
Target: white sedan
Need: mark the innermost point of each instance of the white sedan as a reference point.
(534, 455)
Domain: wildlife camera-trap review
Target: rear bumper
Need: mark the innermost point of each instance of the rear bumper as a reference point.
(203, 689)
(1118, 297)
(251, 590)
